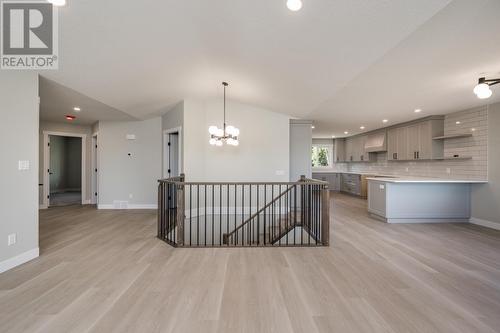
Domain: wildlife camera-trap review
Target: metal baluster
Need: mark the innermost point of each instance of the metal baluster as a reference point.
(190, 213)
(213, 214)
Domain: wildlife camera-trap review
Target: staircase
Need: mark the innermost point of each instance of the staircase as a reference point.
(243, 214)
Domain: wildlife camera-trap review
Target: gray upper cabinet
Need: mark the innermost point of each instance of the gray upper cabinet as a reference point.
(353, 150)
(349, 149)
(410, 142)
(414, 141)
(397, 144)
(339, 150)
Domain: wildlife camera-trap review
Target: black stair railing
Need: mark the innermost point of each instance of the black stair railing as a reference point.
(243, 214)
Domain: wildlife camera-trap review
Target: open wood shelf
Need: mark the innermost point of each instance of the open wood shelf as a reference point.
(449, 158)
(453, 136)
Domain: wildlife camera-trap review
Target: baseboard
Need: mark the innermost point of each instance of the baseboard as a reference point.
(130, 206)
(87, 202)
(19, 260)
(43, 206)
(424, 220)
(485, 223)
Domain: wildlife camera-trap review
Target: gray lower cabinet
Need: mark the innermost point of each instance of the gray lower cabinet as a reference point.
(333, 179)
(351, 183)
(377, 199)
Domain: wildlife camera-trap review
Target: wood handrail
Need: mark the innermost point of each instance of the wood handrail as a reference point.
(180, 180)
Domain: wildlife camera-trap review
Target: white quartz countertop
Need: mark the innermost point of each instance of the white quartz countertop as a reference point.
(402, 179)
(347, 172)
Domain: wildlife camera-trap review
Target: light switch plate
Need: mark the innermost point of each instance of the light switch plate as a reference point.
(11, 239)
(24, 165)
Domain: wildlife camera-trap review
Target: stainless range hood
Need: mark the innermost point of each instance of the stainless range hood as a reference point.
(376, 142)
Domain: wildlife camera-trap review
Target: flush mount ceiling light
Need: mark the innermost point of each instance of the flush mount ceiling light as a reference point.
(226, 134)
(385, 121)
(346, 132)
(294, 5)
(418, 110)
(482, 89)
(313, 127)
(77, 109)
(58, 3)
(362, 127)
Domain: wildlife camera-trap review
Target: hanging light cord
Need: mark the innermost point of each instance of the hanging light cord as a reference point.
(225, 85)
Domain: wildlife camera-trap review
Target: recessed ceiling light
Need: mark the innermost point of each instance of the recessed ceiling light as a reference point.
(313, 127)
(77, 109)
(418, 110)
(346, 132)
(473, 129)
(58, 2)
(362, 127)
(70, 117)
(385, 120)
(457, 122)
(333, 136)
(294, 5)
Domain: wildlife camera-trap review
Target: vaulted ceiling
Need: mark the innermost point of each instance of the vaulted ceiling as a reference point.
(342, 63)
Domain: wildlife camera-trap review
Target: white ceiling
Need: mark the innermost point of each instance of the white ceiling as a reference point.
(56, 101)
(340, 63)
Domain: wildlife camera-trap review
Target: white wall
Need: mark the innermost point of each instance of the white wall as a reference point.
(122, 175)
(19, 189)
(75, 129)
(263, 153)
(486, 197)
(300, 149)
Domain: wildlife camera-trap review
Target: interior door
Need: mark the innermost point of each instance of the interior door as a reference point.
(171, 155)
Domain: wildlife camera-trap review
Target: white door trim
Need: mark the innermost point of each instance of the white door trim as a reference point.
(95, 165)
(46, 164)
(165, 157)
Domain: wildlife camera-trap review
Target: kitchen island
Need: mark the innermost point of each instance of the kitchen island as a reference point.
(419, 200)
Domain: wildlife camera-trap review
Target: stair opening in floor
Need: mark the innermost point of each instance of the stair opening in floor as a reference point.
(243, 214)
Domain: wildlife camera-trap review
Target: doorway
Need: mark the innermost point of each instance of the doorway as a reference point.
(172, 143)
(64, 167)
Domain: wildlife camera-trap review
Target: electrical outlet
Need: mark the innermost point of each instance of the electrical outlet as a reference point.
(11, 239)
(448, 170)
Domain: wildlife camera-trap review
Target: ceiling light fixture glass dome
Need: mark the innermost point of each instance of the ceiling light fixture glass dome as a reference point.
(294, 5)
(58, 3)
(482, 91)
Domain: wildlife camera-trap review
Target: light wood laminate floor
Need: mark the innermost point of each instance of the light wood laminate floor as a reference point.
(104, 271)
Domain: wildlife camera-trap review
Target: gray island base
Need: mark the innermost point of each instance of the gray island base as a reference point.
(414, 200)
